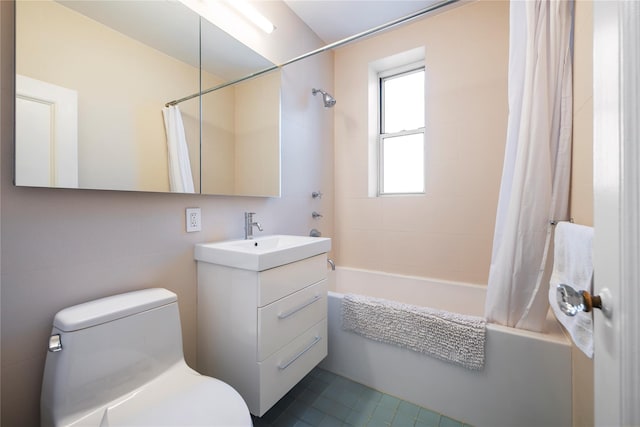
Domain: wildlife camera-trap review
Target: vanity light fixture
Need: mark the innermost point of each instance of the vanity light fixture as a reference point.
(252, 14)
(227, 14)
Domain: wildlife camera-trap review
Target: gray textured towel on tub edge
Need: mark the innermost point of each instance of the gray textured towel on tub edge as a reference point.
(447, 336)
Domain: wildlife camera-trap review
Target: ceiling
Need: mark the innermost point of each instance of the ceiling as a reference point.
(334, 20)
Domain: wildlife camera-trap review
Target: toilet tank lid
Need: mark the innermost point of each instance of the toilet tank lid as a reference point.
(111, 308)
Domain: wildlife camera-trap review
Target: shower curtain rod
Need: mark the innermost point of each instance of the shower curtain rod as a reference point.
(330, 46)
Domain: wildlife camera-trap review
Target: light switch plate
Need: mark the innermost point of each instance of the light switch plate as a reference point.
(194, 220)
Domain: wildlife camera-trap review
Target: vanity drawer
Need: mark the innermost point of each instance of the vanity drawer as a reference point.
(285, 319)
(284, 280)
(288, 366)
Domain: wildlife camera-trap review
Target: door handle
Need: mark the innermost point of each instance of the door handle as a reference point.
(571, 301)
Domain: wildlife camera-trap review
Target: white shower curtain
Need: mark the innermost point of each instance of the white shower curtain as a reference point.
(180, 179)
(535, 181)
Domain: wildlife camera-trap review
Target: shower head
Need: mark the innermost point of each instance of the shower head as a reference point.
(329, 101)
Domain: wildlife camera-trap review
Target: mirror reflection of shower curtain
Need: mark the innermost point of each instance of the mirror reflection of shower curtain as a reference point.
(536, 174)
(180, 178)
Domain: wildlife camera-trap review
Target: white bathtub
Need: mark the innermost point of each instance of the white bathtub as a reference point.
(526, 380)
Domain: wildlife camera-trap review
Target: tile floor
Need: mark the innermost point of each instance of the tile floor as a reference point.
(324, 399)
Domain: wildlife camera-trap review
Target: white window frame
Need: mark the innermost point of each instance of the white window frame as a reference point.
(396, 72)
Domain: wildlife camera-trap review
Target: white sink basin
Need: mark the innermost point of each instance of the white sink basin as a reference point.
(262, 253)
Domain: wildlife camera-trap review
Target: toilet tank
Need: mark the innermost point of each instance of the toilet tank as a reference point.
(108, 348)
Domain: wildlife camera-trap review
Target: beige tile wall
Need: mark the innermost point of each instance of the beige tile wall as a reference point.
(582, 184)
(62, 247)
(448, 232)
(582, 162)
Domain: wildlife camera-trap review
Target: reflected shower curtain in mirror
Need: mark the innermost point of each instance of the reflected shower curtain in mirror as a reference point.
(535, 181)
(180, 179)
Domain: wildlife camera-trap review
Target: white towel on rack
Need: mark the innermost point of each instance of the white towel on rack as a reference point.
(573, 265)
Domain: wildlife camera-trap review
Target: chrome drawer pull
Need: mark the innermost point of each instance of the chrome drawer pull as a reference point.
(299, 355)
(297, 309)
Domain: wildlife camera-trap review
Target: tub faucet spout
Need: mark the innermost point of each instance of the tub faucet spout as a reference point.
(249, 223)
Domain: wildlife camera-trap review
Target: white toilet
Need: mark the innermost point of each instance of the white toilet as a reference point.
(118, 361)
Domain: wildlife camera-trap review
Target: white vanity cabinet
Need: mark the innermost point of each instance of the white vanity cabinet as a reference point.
(262, 331)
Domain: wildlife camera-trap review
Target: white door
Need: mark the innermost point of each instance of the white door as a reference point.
(46, 134)
(617, 211)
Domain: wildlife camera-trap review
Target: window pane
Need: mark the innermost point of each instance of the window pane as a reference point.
(403, 164)
(403, 102)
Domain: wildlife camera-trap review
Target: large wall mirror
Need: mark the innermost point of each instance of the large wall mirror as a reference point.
(93, 78)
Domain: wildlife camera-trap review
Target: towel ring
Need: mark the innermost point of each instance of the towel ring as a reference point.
(571, 302)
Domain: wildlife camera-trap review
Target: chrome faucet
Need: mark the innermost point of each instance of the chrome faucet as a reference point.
(249, 224)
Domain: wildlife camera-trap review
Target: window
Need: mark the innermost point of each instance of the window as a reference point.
(401, 152)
